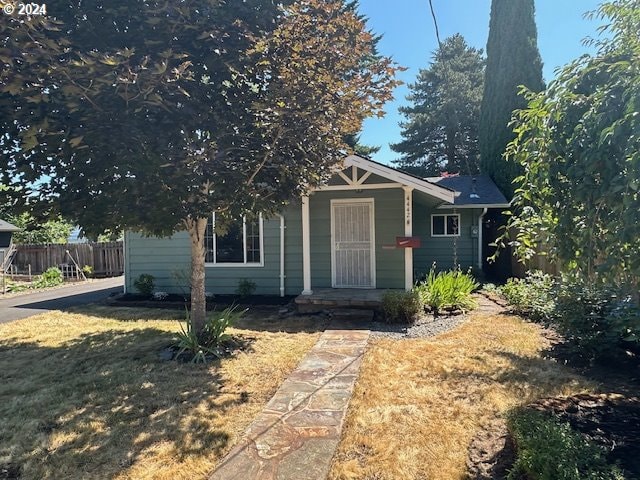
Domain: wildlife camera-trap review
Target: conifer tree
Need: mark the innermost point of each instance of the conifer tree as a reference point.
(441, 128)
(512, 60)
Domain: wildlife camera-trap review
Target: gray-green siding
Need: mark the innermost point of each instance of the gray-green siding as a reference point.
(389, 214)
(168, 259)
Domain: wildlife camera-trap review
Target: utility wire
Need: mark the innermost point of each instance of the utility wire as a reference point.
(435, 22)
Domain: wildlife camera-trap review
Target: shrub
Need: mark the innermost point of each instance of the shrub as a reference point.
(401, 307)
(532, 296)
(50, 278)
(598, 321)
(214, 334)
(447, 290)
(145, 284)
(88, 271)
(245, 288)
(548, 449)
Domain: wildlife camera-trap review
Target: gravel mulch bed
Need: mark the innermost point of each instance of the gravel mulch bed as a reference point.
(426, 326)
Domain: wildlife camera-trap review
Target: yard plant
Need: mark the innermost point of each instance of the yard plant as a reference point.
(447, 290)
(145, 284)
(548, 449)
(401, 307)
(206, 344)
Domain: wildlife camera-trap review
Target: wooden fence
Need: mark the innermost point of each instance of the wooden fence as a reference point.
(105, 258)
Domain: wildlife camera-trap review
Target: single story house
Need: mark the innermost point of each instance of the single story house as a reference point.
(6, 232)
(370, 227)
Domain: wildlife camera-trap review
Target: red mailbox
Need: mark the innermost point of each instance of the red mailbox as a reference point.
(408, 242)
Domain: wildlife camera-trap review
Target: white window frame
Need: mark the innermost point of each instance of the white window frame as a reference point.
(244, 264)
(445, 234)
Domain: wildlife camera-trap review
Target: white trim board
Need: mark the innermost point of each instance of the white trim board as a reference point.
(402, 178)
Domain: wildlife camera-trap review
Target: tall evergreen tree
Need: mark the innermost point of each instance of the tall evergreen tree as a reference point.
(441, 127)
(512, 60)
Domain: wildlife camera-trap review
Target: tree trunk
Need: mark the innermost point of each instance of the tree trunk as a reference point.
(196, 228)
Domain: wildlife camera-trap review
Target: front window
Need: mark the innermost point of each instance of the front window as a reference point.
(240, 245)
(445, 225)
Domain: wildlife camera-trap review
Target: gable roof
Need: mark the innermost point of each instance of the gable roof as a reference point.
(473, 191)
(441, 192)
(7, 227)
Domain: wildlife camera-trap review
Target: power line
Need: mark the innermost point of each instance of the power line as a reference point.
(435, 22)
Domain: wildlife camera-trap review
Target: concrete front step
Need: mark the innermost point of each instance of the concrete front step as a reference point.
(352, 314)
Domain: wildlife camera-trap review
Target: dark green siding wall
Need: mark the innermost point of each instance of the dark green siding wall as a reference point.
(168, 258)
(441, 249)
(389, 213)
(160, 257)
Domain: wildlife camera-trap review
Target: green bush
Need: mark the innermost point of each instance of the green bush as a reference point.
(212, 337)
(532, 296)
(246, 288)
(547, 449)
(50, 278)
(88, 271)
(598, 321)
(401, 307)
(144, 284)
(447, 291)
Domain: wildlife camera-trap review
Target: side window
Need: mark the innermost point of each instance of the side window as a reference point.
(445, 225)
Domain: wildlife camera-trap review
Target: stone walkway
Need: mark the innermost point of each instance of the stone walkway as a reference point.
(295, 436)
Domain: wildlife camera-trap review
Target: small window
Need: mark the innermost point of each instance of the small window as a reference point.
(241, 244)
(445, 225)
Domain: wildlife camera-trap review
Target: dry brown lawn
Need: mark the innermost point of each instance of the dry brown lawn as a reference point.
(85, 395)
(418, 403)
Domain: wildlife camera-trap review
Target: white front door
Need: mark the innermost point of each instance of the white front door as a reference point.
(352, 244)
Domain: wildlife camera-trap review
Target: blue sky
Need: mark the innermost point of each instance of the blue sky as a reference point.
(409, 37)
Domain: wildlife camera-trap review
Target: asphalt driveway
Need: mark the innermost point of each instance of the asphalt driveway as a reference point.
(39, 302)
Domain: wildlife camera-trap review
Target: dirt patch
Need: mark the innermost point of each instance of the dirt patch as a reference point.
(491, 452)
(229, 348)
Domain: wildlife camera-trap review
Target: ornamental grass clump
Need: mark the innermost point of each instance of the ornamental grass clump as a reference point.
(209, 343)
(450, 290)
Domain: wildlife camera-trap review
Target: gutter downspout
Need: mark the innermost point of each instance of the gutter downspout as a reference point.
(282, 227)
(480, 218)
(125, 258)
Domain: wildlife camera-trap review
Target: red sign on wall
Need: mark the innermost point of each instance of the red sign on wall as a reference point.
(408, 242)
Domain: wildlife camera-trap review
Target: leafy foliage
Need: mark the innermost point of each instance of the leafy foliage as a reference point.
(512, 60)
(246, 288)
(401, 307)
(33, 230)
(548, 449)
(201, 345)
(579, 145)
(50, 278)
(449, 290)
(533, 296)
(145, 284)
(440, 132)
(228, 107)
(599, 321)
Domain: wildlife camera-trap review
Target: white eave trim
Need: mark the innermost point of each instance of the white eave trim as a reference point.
(448, 206)
(396, 176)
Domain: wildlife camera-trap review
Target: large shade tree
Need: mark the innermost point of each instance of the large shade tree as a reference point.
(440, 131)
(579, 146)
(513, 60)
(151, 115)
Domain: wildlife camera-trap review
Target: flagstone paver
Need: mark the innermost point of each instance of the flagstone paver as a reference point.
(295, 436)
